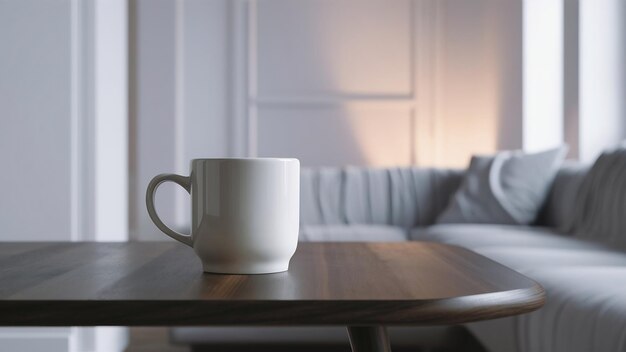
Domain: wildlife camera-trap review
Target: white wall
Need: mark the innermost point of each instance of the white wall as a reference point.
(62, 137)
(110, 109)
(543, 74)
(602, 52)
(153, 127)
(37, 121)
(406, 82)
(182, 99)
(330, 82)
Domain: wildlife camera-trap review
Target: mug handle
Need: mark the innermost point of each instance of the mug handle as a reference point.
(184, 182)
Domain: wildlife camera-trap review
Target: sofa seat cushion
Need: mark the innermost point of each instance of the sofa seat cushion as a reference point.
(530, 258)
(481, 235)
(352, 233)
(585, 311)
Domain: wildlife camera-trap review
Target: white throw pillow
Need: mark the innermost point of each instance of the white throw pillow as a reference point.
(508, 188)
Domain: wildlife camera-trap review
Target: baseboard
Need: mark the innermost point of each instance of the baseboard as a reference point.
(49, 339)
(35, 339)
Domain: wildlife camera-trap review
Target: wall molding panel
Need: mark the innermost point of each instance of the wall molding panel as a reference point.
(249, 42)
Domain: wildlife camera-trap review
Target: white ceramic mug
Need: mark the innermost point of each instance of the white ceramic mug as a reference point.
(245, 213)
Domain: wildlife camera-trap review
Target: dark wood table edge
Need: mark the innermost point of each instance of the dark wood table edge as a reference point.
(365, 334)
(270, 312)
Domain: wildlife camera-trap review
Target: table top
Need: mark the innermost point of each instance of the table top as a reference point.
(162, 283)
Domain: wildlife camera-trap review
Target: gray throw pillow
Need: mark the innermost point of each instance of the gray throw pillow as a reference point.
(508, 188)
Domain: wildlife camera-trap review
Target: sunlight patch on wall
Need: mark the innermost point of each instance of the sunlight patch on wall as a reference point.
(469, 107)
(383, 135)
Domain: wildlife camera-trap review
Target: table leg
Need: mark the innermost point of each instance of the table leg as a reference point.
(369, 338)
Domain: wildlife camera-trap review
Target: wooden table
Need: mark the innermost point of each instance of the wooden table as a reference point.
(364, 286)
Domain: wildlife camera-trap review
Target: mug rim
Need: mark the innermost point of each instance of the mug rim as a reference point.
(245, 159)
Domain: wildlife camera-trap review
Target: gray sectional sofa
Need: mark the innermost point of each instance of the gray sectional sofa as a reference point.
(585, 278)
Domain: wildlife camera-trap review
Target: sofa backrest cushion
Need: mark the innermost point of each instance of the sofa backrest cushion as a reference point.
(404, 197)
(561, 199)
(409, 197)
(507, 188)
(599, 213)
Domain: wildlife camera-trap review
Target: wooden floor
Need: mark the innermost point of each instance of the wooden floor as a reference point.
(152, 340)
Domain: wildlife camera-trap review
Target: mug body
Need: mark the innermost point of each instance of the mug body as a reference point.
(245, 213)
